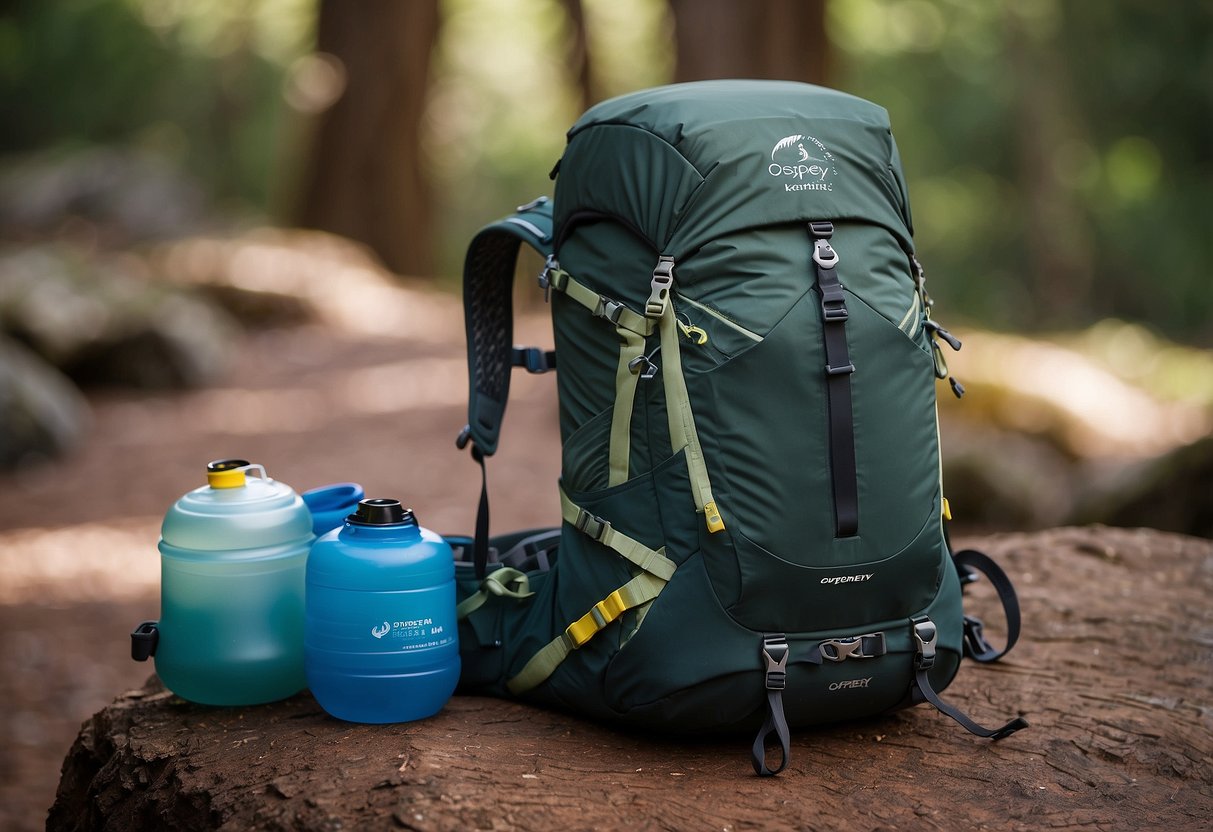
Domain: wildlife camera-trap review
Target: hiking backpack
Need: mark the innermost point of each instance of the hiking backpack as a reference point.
(753, 520)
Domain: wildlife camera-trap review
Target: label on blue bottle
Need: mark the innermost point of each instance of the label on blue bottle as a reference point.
(413, 633)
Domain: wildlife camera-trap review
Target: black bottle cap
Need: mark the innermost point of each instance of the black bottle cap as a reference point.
(381, 513)
(226, 465)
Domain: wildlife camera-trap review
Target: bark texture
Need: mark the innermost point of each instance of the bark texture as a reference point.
(366, 178)
(1113, 672)
(771, 39)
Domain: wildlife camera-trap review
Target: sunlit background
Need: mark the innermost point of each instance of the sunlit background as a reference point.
(237, 229)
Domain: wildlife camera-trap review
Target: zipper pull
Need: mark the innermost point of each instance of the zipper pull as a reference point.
(941, 365)
(936, 329)
(697, 335)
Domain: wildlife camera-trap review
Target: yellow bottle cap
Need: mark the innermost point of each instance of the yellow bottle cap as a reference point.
(226, 473)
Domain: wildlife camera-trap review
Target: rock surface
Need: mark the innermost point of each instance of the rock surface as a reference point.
(42, 415)
(1113, 672)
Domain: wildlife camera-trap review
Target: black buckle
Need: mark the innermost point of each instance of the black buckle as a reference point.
(821, 228)
(839, 371)
(974, 637)
(534, 359)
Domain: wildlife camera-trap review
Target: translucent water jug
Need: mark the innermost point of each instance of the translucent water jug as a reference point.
(233, 557)
(381, 643)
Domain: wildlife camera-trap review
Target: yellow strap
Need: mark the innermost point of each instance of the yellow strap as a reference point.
(640, 590)
(654, 562)
(678, 402)
(626, 378)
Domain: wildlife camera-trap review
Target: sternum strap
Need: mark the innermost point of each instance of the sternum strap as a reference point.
(838, 371)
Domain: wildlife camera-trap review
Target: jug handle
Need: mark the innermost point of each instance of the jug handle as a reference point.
(144, 640)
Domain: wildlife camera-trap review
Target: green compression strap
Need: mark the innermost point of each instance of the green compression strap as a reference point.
(677, 401)
(656, 570)
(488, 280)
(639, 591)
(627, 376)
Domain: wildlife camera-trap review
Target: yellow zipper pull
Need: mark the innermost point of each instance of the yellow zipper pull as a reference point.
(697, 335)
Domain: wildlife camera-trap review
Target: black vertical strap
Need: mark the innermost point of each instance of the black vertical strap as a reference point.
(838, 382)
(480, 542)
(925, 635)
(775, 654)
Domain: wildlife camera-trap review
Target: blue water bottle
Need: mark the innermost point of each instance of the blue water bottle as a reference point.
(380, 636)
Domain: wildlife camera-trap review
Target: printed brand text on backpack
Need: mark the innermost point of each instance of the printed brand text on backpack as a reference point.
(754, 523)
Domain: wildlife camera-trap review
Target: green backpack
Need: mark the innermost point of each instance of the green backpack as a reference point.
(753, 531)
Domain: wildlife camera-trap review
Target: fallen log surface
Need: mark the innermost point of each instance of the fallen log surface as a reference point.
(1113, 671)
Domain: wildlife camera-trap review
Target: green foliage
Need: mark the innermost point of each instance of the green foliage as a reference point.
(196, 82)
(1057, 152)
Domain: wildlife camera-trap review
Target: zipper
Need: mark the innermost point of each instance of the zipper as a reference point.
(720, 316)
(909, 323)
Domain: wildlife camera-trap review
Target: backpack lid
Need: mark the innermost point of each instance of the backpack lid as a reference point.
(688, 162)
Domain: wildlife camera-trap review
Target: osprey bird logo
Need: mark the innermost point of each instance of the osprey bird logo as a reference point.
(786, 141)
(381, 631)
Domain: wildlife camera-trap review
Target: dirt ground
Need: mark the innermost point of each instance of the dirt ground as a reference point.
(315, 405)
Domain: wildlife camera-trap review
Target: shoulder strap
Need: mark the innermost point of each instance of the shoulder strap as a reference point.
(488, 310)
(488, 314)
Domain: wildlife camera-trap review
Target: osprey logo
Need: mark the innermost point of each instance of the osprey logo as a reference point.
(810, 169)
(847, 579)
(851, 683)
(381, 631)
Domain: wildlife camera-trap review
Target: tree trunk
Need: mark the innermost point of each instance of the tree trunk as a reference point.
(770, 39)
(1112, 672)
(365, 179)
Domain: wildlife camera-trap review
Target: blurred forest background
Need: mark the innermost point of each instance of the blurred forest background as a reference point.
(1058, 155)
(235, 227)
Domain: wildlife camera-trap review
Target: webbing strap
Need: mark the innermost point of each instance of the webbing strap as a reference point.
(775, 656)
(600, 306)
(925, 635)
(651, 561)
(976, 646)
(505, 582)
(838, 382)
(656, 570)
(677, 401)
(640, 590)
(631, 349)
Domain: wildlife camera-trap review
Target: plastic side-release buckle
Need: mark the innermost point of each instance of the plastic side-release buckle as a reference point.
(659, 288)
(775, 652)
(533, 359)
(868, 646)
(925, 636)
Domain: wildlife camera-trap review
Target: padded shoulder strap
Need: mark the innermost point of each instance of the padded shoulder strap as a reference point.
(488, 279)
